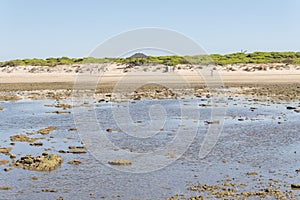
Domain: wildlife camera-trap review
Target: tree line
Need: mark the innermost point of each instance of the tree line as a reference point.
(217, 59)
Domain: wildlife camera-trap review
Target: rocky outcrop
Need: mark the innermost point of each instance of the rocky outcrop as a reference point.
(41, 163)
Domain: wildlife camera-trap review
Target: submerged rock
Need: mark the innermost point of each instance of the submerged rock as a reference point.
(40, 163)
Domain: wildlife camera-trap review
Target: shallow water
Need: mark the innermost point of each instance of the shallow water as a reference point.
(258, 143)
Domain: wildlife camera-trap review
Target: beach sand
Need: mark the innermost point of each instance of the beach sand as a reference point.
(276, 80)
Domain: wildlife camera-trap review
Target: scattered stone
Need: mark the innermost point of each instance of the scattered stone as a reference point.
(60, 198)
(171, 155)
(295, 186)
(251, 173)
(1, 108)
(22, 138)
(297, 111)
(64, 106)
(48, 190)
(7, 169)
(4, 188)
(74, 162)
(76, 147)
(120, 162)
(62, 151)
(290, 107)
(12, 156)
(3, 162)
(109, 130)
(212, 122)
(204, 105)
(72, 129)
(40, 163)
(36, 144)
(47, 130)
(60, 112)
(34, 178)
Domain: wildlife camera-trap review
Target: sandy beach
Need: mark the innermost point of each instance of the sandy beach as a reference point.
(275, 80)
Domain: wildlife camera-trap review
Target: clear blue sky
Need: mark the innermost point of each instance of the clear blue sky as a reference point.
(55, 28)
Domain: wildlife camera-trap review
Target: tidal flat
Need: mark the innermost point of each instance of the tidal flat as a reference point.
(256, 154)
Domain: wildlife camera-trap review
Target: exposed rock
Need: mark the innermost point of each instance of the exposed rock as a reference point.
(5, 150)
(72, 129)
(212, 122)
(109, 130)
(36, 144)
(74, 162)
(4, 188)
(7, 169)
(9, 97)
(120, 162)
(297, 111)
(64, 106)
(295, 186)
(76, 151)
(47, 130)
(22, 138)
(40, 163)
(290, 107)
(12, 156)
(251, 173)
(3, 162)
(49, 190)
(76, 147)
(1, 108)
(34, 178)
(60, 112)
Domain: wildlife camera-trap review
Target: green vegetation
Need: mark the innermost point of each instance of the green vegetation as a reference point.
(234, 58)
